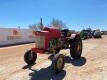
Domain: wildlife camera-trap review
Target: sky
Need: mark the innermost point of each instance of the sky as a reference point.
(77, 14)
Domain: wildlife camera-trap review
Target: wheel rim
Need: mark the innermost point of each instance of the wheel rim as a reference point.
(60, 63)
(79, 47)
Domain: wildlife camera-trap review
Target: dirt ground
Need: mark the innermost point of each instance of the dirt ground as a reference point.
(91, 66)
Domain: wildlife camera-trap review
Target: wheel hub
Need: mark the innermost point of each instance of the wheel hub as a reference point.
(59, 63)
(30, 57)
(79, 47)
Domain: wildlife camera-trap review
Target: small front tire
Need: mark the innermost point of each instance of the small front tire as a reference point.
(58, 63)
(30, 57)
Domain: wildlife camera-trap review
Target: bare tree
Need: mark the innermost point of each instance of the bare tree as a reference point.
(33, 26)
(58, 23)
(38, 26)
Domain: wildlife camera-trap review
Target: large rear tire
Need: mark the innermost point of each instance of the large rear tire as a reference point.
(30, 57)
(76, 48)
(58, 63)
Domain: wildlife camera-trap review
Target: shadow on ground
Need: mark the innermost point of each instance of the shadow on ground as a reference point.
(49, 74)
(45, 74)
(76, 62)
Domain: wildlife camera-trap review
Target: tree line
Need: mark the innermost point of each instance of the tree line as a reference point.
(55, 22)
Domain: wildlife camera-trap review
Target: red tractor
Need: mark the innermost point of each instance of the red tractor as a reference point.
(53, 40)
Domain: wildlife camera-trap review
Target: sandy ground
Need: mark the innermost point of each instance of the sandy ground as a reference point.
(91, 66)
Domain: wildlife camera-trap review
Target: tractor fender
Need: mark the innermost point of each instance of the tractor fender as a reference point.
(74, 35)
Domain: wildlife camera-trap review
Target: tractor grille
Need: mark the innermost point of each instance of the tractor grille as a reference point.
(40, 42)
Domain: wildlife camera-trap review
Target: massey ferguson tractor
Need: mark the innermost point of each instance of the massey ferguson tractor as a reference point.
(52, 40)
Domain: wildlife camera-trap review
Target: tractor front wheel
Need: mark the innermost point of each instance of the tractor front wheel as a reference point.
(30, 57)
(58, 63)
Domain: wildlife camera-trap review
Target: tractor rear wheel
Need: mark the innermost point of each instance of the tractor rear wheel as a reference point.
(76, 48)
(58, 63)
(30, 57)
